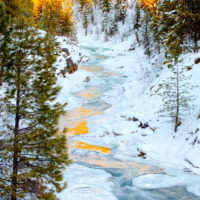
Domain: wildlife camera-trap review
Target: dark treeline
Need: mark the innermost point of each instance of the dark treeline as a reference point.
(173, 25)
(170, 27)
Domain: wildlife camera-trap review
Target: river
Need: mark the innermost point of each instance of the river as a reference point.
(92, 155)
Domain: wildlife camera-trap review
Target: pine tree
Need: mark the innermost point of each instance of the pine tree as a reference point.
(120, 10)
(190, 11)
(4, 18)
(105, 6)
(137, 17)
(146, 31)
(18, 8)
(155, 29)
(33, 154)
(176, 96)
(179, 22)
(85, 18)
(4, 22)
(12, 7)
(85, 9)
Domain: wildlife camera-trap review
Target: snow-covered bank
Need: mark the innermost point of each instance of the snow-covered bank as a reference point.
(132, 95)
(137, 98)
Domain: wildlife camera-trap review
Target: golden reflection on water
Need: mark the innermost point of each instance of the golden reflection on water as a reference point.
(78, 128)
(83, 145)
(75, 120)
(98, 69)
(103, 161)
(90, 93)
(110, 74)
(92, 68)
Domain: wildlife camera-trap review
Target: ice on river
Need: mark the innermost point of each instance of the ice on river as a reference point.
(85, 183)
(154, 181)
(195, 189)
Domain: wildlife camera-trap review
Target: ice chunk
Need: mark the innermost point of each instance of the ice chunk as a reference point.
(195, 189)
(153, 181)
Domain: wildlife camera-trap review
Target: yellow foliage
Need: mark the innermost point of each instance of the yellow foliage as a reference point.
(151, 4)
(64, 5)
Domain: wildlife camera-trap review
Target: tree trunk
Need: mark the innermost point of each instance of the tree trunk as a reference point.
(137, 37)
(15, 145)
(195, 41)
(177, 99)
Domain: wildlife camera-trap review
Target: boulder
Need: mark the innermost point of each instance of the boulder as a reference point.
(72, 69)
(87, 79)
(197, 61)
(71, 66)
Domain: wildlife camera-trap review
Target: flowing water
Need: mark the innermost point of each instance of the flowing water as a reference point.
(122, 171)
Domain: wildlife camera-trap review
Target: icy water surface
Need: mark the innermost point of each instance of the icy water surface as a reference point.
(98, 157)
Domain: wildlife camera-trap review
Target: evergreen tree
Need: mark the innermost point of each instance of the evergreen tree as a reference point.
(105, 6)
(85, 9)
(82, 4)
(155, 29)
(175, 94)
(146, 31)
(85, 18)
(137, 17)
(179, 22)
(19, 8)
(120, 10)
(12, 7)
(4, 18)
(33, 155)
(190, 11)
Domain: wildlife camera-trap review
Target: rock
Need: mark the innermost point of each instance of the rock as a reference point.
(66, 51)
(132, 48)
(116, 134)
(63, 72)
(143, 135)
(188, 68)
(133, 119)
(87, 79)
(197, 61)
(69, 62)
(142, 154)
(71, 66)
(145, 125)
(72, 69)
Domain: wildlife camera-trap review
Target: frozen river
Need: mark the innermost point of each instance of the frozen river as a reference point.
(96, 174)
